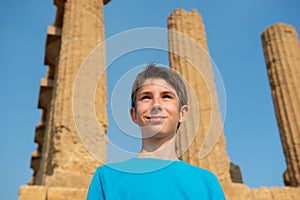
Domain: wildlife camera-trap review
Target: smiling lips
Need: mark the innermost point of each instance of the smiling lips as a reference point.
(156, 119)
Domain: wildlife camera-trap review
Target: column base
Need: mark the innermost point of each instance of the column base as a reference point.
(34, 192)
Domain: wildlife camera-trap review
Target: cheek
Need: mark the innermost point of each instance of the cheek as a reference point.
(173, 110)
(142, 108)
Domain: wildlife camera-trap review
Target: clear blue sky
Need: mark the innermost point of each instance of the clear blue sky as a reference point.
(233, 31)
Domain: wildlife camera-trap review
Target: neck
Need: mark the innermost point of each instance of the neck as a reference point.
(163, 148)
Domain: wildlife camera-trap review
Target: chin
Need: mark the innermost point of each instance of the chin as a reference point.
(156, 132)
(151, 131)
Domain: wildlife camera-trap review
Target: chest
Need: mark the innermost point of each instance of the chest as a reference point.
(154, 186)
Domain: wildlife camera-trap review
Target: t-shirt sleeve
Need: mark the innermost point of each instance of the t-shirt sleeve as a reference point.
(218, 193)
(95, 191)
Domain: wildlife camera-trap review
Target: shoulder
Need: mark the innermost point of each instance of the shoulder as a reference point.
(197, 170)
(204, 178)
(198, 173)
(106, 168)
(116, 167)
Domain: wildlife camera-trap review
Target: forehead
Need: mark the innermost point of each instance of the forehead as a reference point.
(152, 83)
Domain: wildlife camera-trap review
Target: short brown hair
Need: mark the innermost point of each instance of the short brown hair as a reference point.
(169, 75)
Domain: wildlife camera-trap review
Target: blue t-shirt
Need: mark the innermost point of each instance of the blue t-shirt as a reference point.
(151, 178)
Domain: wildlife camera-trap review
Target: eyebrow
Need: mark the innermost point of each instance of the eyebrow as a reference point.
(169, 92)
(144, 92)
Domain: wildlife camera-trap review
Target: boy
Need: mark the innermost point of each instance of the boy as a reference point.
(159, 105)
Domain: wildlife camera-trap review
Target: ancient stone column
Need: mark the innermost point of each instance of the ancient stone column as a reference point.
(189, 53)
(282, 54)
(68, 163)
(62, 165)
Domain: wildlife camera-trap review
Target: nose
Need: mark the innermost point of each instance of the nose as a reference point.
(155, 106)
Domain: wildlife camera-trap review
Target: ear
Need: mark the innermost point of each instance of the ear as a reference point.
(133, 115)
(183, 113)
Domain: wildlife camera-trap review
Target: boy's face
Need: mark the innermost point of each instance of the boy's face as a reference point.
(157, 109)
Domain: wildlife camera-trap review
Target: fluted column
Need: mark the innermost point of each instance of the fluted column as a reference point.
(188, 54)
(66, 161)
(282, 55)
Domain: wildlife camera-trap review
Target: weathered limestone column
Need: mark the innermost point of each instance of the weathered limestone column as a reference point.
(186, 53)
(68, 163)
(282, 54)
(62, 165)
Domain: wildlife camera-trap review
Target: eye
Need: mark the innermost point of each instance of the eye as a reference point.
(167, 96)
(145, 97)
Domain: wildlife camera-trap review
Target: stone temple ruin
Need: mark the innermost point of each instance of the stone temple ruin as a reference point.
(63, 167)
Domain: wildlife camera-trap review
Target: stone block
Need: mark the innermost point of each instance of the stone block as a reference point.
(58, 193)
(32, 193)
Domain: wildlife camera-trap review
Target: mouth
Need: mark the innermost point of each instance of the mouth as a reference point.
(156, 118)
